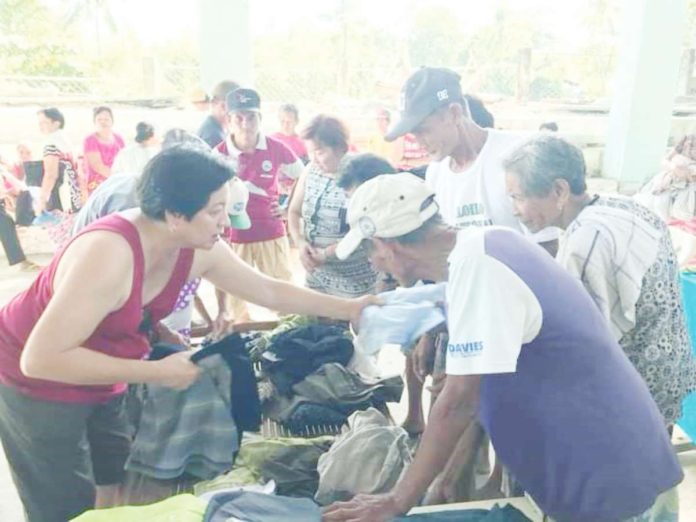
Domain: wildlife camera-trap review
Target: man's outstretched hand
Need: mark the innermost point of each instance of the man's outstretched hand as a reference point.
(363, 508)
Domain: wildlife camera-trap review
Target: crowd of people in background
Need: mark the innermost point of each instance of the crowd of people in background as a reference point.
(431, 191)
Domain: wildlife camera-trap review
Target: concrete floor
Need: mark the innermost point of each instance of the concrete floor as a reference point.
(12, 281)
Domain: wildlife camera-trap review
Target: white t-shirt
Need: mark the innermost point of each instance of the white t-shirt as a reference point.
(491, 312)
(477, 196)
(133, 158)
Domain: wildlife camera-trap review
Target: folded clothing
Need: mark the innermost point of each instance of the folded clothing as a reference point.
(290, 462)
(369, 458)
(180, 508)
(294, 354)
(186, 431)
(259, 507)
(335, 387)
(507, 513)
(314, 418)
(244, 393)
(405, 315)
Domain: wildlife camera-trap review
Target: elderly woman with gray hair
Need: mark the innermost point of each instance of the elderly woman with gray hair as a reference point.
(622, 254)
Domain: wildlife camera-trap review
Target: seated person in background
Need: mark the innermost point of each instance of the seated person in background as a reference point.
(10, 185)
(101, 147)
(8, 231)
(23, 155)
(133, 158)
(317, 216)
(623, 255)
(671, 194)
(565, 409)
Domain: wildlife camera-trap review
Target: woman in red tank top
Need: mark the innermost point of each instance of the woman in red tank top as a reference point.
(71, 342)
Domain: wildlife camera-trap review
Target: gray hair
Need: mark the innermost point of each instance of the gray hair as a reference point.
(543, 160)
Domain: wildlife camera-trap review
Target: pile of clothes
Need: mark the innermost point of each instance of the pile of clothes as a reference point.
(251, 506)
(196, 431)
(309, 385)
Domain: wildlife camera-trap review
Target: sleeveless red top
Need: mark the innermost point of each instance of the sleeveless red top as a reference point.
(119, 334)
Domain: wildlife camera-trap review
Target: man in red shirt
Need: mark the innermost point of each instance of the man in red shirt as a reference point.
(259, 161)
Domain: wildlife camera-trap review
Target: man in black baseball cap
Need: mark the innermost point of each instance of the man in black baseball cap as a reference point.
(425, 91)
(243, 99)
(466, 171)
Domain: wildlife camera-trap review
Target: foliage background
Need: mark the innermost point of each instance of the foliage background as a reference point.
(337, 50)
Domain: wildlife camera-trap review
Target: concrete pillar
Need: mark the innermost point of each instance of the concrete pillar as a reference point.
(524, 73)
(686, 72)
(225, 42)
(644, 89)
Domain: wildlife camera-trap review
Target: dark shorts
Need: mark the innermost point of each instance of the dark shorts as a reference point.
(58, 452)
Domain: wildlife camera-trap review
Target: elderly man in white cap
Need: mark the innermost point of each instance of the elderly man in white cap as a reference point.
(566, 411)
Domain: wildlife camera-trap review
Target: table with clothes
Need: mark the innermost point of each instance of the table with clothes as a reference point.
(301, 379)
(205, 448)
(252, 506)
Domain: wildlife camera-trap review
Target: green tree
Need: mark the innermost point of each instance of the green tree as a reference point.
(491, 53)
(31, 42)
(436, 38)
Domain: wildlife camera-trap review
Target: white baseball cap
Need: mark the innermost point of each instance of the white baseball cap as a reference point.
(236, 208)
(387, 206)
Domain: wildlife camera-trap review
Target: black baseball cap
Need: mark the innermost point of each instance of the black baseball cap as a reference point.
(428, 89)
(243, 100)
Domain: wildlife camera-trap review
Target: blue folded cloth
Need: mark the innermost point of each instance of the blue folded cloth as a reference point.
(259, 507)
(405, 315)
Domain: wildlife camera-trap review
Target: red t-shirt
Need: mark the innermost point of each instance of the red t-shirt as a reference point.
(107, 151)
(119, 334)
(294, 143)
(261, 170)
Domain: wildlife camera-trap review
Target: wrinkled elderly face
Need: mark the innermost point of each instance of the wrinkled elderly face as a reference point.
(391, 258)
(534, 212)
